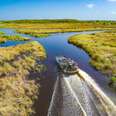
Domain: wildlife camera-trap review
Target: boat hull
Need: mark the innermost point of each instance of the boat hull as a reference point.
(60, 61)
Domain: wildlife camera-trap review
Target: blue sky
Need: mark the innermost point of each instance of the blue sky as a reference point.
(50, 9)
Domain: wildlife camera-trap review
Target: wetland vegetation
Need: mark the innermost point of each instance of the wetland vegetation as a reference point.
(4, 37)
(18, 89)
(36, 27)
(102, 49)
(33, 33)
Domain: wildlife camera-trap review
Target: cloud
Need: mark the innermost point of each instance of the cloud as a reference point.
(90, 5)
(113, 12)
(112, 0)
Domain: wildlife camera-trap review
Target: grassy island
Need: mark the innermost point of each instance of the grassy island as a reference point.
(19, 89)
(4, 37)
(34, 33)
(102, 49)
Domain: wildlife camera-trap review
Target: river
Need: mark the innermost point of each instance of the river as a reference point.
(57, 45)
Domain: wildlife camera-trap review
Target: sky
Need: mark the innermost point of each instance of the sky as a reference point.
(58, 9)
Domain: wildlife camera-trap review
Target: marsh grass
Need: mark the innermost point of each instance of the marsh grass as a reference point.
(112, 82)
(2, 40)
(53, 26)
(44, 28)
(1, 33)
(15, 37)
(33, 33)
(114, 79)
(102, 49)
(18, 90)
(4, 37)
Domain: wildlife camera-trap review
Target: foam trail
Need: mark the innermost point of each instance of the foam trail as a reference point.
(108, 105)
(79, 95)
(74, 95)
(64, 101)
(81, 91)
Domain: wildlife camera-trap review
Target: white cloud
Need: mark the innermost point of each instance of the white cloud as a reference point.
(90, 5)
(113, 12)
(112, 0)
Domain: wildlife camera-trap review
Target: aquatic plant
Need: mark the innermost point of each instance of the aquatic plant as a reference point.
(113, 79)
(112, 82)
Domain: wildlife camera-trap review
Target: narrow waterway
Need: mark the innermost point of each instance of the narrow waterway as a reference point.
(57, 45)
